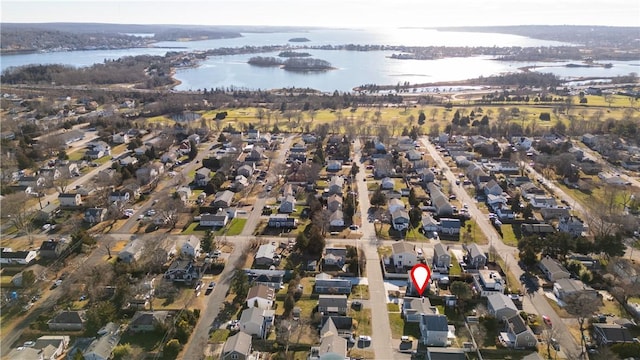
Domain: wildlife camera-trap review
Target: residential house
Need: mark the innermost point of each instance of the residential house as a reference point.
(343, 324)
(255, 155)
(218, 219)
(450, 227)
(400, 219)
(35, 269)
(52, 249)
(505, 213)
(446, 354)
(405, 143)
(257, 322)
(332, 304)
(530, 190)
(439, 200)
(120, 138)
(68, 321)
(8, 256)
(518, 334)
(223, 199)
(475, 258)
(132, 251)
(119, 196)
(571, 225)
(541, 229)
(169, 157)
(191, 247)
(488, 282)
(149, 173)
(542, 201)
(49, 173)
(336, 219)
(429, 224)
(501, 306)
(496, 201)
(265, 255)
(95, 215)
(334, 257)
(434, 330)
(609, 334)
(102, 347)
(240, 182)
(31, 181)
(404, 254)
(184, 193)
(48, 347)
(309, 138)
(441, 258)
(288, 204)
(327, 284)
(146, 321)
(335, 185)
(590, 140)
(70, 199)
(552, 269)
(387, 184)
(334, 202)
(334, 165)
(270, 278)
(202, 176)
(182, 270)
(48, 212)
(94, 154)
(237, 347)
(282, 221)
(332, 345)
(394, 205)
(566, 288)
(413, 155)
(261, 296)
(493, 188)
(246, 170)
(426, 175)
(414, 308)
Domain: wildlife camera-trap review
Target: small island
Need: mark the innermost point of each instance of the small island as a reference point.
(290, 54)
(291, 64)
(299, 39)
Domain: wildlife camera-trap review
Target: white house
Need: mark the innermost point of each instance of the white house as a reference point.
(265, 254)
(191, 247)
(488, 282)
(70, 200)
(261, 296)
(131, 252)
(120, 196)
(404, 254)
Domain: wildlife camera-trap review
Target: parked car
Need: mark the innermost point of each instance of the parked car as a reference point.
(364, 338)
(547, 320)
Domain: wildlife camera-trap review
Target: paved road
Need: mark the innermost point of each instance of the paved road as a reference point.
(568, 344)
(381, 337)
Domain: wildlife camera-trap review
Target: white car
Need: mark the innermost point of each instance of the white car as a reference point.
(364, 338)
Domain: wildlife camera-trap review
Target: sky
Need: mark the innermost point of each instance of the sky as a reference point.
(329, 13)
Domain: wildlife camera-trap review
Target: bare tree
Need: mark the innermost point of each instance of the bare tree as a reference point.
(322, 219)
(582, 306)
(169, 210)
(15, 208)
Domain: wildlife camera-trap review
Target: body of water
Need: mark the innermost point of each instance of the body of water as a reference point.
(352, 68)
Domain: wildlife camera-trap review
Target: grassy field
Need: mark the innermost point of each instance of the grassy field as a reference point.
(360, 292)
(361, 321)
(508, 236)
(399, 327)
(219, 336)
(455, 270)
(235, 226)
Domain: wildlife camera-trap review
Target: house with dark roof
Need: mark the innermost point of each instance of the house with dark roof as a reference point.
(450, 227)
(327, 284)
(218, 219)
(434, 330)
(475, 258)
(552, 269)
(95, 215)
(439, 200)
(237, 347)
(429, 224)
(144, 321)
(68, 321)
(343, 324)
(414, 308)
(541, 229)
(434, 353)
(332, 304)
(334, 202)
(441, 258)
(52, 249)
(287, 205)
(202, 176)
(271, 278)
(182, 270)
(609, 334)
(518, 334)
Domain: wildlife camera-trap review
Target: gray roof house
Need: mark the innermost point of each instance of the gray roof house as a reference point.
(327, 284)
(476, 258)
(566, 288)
(429, 224)
(223, 199)
(501, 306)
(68, 321)
(102, 347)
(450, 227)
(434, 329)
(434, 353)
(441, 258)
(237, 347)
(265, 254)
(336, 184)
(95, 215)
(202, 176)
(413, 308)
(257, 322)
(334, 202)
(552, 269)
(51, 249)
(439, 200)
(131, 252)
(288, 204)
(147, 321)
(400, 219)
(332, 345)
(608, 334)
(332, 304)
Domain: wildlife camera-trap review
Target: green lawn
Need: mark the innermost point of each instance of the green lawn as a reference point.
(102, 160)
(219, 336)
(400, 328)
(147, 340)
(508, 236)
(361, 321)
(76, 155)
(455, 270)
(235, 226)
(391, 307)
(360, 292)
(193, 229)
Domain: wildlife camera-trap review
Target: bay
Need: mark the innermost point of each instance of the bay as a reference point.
(352, 68)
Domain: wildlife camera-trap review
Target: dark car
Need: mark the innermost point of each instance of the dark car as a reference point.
(210, 288)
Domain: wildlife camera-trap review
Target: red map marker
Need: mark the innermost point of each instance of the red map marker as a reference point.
(420, 275)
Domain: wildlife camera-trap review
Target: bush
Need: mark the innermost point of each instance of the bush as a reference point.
(171, 349)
